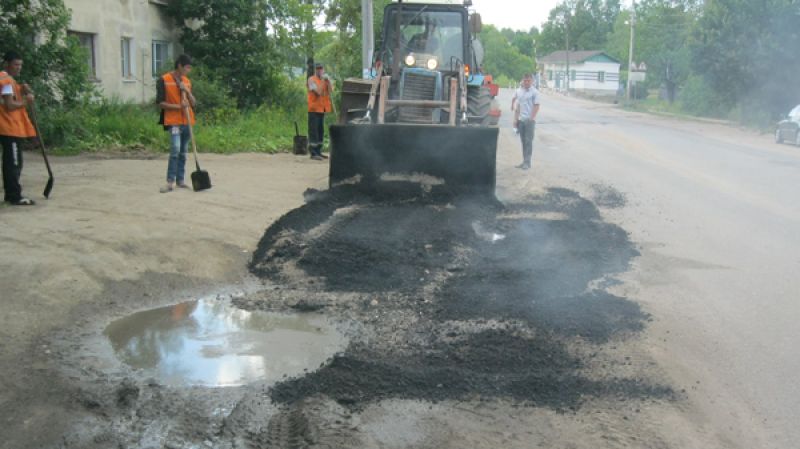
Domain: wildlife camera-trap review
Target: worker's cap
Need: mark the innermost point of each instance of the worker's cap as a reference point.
(318, 65)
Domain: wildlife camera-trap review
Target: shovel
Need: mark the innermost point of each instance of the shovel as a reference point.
(49, 187)
(300, 142)
(200, 178)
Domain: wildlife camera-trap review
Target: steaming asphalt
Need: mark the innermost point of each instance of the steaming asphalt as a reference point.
(716, 214)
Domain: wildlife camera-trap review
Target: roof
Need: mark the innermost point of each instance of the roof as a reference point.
(577, 57)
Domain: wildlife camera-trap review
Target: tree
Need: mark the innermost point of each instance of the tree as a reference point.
(589, 23)
(230, 37)
(661, 41)
(54, 64)
(502, 58)
(746, 52)
(344, 51)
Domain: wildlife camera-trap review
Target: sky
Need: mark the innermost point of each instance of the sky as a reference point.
(515, 14)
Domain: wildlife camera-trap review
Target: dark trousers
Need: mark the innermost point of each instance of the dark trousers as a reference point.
(527, 129)
(316, 132)
(12, 168)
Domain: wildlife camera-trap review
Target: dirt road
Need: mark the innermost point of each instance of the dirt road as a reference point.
(579, 322)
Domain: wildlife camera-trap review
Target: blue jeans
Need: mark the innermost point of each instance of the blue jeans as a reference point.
(178, 143)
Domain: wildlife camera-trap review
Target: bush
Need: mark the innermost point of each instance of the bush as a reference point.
(696, 97)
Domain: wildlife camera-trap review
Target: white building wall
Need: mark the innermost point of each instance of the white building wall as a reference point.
(142, 21)
(586, 77)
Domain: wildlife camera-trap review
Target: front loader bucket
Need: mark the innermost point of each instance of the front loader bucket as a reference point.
(463, 157)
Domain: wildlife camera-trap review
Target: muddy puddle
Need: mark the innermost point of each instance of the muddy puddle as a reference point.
(211, 343)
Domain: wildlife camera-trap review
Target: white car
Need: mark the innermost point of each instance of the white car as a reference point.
(788, 130)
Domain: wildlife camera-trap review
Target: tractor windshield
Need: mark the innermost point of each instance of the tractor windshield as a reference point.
(436, 33)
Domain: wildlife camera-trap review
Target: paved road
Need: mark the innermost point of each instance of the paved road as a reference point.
(716, 214)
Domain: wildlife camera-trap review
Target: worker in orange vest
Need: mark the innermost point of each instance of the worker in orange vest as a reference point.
(14, 126)
(174, 97)
(319, 102)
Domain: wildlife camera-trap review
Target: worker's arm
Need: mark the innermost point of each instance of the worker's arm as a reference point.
(188, 95)
(8, 98)
(535, 112)
(313, 87)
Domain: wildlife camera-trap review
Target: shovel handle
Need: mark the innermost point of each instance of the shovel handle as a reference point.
(296, 130)
(191, 130)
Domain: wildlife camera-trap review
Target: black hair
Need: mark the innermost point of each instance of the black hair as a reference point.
(183, 60)
(527, 75)
(11, 55)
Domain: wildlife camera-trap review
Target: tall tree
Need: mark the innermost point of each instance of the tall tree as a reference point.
(54, 64)
(662, 32)
(747, 53)
(502, 58)
(343, 52)
(588, 22)
(231, 38)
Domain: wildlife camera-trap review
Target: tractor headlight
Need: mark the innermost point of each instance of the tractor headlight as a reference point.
(432, 63)
(411, 60)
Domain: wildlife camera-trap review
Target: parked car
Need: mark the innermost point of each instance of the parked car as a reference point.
(788, 130)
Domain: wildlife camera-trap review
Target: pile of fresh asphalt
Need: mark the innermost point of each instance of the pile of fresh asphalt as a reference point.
(462, 297)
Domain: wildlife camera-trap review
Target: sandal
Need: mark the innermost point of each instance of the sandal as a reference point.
(165, 189)
(183, 185)
(23, 202)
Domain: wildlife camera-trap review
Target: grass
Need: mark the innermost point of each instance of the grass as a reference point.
(117, 126)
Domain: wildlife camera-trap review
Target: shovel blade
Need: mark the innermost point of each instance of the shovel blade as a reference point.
(48, 188)
(201, 180)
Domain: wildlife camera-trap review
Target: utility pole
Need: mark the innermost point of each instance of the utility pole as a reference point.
(367, 39)
(630, 49)
(567, 15)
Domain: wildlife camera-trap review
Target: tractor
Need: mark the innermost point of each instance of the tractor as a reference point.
(426, 110)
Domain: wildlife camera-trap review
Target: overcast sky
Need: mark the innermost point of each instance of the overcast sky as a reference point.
(517, 14)
(514, 14)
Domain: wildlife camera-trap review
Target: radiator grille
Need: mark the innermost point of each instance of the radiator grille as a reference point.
(417, 86)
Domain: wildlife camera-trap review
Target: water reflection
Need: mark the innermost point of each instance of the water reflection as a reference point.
(210, 342)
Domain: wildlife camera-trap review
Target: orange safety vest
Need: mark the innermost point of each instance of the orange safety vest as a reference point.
(316, 102)
(14, 123)
(172, 95)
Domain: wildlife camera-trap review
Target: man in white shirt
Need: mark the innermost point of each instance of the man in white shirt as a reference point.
(527, 108)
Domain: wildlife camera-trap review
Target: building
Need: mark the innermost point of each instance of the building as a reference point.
(590, 72)
(128, 42)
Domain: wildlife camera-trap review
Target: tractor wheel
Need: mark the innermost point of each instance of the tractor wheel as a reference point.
(479, 102)
(778, 136)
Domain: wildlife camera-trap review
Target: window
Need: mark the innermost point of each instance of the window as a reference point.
(601, 76)
(549, 74)
(127, 63)
(86, 41)
(160, 57)
(572, 75)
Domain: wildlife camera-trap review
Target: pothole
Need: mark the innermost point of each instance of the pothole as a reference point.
(212, 343)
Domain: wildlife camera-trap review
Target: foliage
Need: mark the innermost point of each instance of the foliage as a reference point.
(112, 124)
(746, 52)
(661, 41)
(230, 38)
(54, 65)
(589, 23)
(503, 59)
(342, 52)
